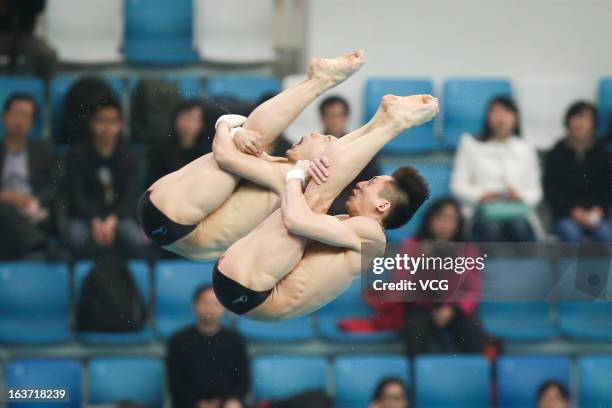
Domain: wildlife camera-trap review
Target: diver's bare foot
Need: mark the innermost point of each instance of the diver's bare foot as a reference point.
(405, 112)
(333, 71)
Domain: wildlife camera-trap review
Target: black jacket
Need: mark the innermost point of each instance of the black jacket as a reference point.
(87, 194)
(41, 168)
(19, 16)
(167, 156)
(572, 181)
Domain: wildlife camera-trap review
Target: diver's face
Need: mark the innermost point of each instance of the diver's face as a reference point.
(366, 196)
(310, 147)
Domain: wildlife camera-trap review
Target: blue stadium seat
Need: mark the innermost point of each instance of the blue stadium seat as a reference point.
(141, 274)
(290, 330)
(246, 88)
(349, 304)
(604, 104)
(457, 381)
(175, 282)
(582, 315)
(58, 88)
(594, 375)
(506, 279)
(464, 103)
(419, 139)
(34, 302)
(279, 377)
(438, 176)
(46, 374)
(30, 86)
(159, 32)
(356, 377)
(139, 380)
(518, 378)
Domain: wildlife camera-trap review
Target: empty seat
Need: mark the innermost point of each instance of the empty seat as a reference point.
(34, 302)
(58, 88)
(349, 304)
(464, 103)
(594, 375)
(139, 380)
(604, 103)
(245, 88)
(419, 139)
(27, 85)
(175, 283)
(159, 32)
(141, 275)
(356, 377)
(457, 381)
(510, 288)
(586, 320)
(279, 377)
(518, 377)
(233, 31)
(438, 177)
(72, 26)
(46, 374)
(290, 330)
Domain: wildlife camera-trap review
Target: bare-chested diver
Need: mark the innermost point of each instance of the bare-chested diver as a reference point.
(299, 258)
(199, 210)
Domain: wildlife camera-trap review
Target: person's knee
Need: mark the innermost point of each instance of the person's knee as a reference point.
(128, 233)
(487, 231)
(79, 233)
(520, 230)
(568, 230)
(603, 233)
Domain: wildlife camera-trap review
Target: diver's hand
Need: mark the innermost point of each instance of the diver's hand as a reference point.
(317, 170)
(248, 142)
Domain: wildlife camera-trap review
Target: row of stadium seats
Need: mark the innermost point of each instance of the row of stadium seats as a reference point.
(463, 101)
(35, 307)
(160, 32)
(432, 379)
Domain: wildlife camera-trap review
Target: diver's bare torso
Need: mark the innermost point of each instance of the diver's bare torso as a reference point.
(225, 207)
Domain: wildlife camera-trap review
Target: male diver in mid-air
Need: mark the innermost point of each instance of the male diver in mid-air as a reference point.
(299, 259)
(204, 207)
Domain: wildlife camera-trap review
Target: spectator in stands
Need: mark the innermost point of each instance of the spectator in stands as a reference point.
(102, 189)
(577, 179)
(429, 321)
(207, 364)
(26, 183)
(184, 143)
(390, 393)
(553, 394)
(497, 178)
(334, 112)
(17, 22)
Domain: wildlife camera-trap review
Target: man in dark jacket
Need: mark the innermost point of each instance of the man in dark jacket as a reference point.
(102, 189)
(207, 365)
(26, 181)
(17, 22)
(577, 180)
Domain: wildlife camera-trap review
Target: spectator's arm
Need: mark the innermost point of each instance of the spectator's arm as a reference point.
(46, 195)
(127, 197)
(461, 183)
(530, 188)
(80, 203)
(181, 393)
(242, 374)
(471, 283)
(553, 185)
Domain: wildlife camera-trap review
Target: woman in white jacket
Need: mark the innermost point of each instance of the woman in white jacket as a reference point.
(497, 178)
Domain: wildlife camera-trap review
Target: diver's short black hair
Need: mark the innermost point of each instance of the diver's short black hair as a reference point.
(407, 192)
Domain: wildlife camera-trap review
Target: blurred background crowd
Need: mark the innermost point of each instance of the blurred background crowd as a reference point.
(101, 98)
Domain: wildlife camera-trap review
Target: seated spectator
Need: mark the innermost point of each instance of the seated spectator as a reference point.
(26, 183)
(390, 393)
(17, 21)
(334, 112)
(184, 144)
(577, 179)
(497, 178)
(102, 189)
(429, 321)
(207, 364)
(553, 394)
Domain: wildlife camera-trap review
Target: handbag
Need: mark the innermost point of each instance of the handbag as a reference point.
(503, 210)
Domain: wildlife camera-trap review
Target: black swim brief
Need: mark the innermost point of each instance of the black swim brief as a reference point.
(159, 228)
(235, 297)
